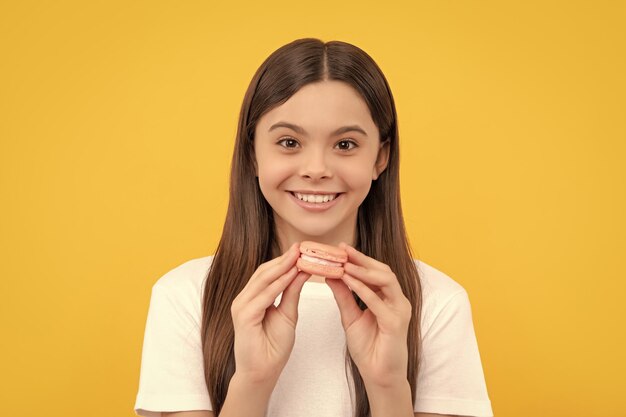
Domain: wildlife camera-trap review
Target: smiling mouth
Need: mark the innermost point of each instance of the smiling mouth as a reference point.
(315, 199)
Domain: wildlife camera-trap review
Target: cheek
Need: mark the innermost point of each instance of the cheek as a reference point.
(273, 173)
(357, 176)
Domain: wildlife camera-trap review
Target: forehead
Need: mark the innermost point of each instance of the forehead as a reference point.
(320, 108)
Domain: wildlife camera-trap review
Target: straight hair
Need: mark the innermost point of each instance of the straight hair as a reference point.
(249, 236)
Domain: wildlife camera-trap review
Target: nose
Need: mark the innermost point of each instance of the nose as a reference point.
(315, 165)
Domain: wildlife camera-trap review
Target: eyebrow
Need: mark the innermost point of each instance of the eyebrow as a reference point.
(296, 128)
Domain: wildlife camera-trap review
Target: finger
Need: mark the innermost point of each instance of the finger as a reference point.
(355, 256)
(369, 273)
(268, 296)
(362, 259)
(253, 311)
(377, 280)
(348, 308)
(288, 305)
(262, 278)
(369, 297)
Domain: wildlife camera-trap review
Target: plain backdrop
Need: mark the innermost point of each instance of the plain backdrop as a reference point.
(117, 124)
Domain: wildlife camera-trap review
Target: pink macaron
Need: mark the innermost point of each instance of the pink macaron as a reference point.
(320, 259)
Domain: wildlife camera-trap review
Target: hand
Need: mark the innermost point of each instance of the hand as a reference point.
(377, 336)
(265, 333)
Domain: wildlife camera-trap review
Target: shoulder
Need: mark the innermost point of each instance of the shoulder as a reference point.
(438, 291)
(436, 283)
(186, 277)
(182, 286)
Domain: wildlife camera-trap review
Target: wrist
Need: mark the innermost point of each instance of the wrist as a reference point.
(401, 384)
(248, 382)
(246, 397)
(391, 399)
(384, 382)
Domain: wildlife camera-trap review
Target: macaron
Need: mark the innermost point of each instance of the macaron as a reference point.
(321, 259)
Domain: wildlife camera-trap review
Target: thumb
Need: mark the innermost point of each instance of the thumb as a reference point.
(348, 308)
(291, 296)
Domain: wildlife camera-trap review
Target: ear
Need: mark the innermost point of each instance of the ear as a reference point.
(382, 159)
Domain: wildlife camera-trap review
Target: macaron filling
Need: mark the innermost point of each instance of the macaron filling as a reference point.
(319, 261)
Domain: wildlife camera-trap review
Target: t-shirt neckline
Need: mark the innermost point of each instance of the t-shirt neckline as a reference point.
(316, 289)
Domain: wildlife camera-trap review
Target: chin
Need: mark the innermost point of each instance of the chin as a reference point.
(315, 230)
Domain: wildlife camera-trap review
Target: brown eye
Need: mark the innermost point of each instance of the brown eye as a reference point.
(348, 142)
(290, 141)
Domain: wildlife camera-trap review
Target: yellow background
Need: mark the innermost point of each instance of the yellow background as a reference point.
(117, 122)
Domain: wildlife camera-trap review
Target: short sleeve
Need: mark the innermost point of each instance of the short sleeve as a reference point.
(451, 378)
(172, 368)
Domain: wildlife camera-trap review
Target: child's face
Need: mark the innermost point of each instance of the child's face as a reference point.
(288, 160)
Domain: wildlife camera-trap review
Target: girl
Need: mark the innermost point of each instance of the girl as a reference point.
(244, 333)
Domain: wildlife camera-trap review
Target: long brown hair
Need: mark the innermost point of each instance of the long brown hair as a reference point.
(249, 239)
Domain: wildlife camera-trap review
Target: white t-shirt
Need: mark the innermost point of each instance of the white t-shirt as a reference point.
(313, 382)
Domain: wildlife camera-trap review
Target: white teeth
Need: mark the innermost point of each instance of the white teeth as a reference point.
(317, 198)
